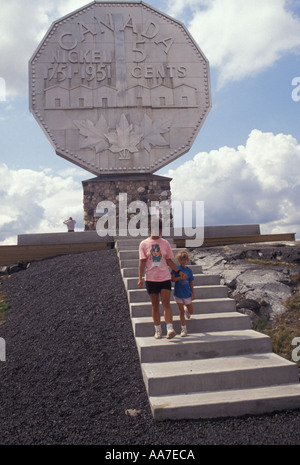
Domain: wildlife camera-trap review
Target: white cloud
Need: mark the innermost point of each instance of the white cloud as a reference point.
(36, 201)
(255, 183)
(240, 37)
(258, 182)
(23, 25)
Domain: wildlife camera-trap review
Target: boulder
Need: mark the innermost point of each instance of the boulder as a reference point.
(260, 277)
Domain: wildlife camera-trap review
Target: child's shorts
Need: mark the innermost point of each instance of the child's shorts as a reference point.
(180, 300)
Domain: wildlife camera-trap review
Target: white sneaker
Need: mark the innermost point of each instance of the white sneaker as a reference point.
(187, 314)
(158, 334)
(171, 334)
(183, 332)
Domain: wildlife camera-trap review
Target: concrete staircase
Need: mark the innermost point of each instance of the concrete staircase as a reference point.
(222, 368)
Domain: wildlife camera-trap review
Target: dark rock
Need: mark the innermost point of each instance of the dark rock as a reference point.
(249, 304)
(232, 285)
(254, 254)
(15, 268)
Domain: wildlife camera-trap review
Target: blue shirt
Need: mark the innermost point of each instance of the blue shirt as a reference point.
(182, 288)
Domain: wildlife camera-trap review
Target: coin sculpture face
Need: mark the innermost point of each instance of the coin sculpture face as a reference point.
(119, 88)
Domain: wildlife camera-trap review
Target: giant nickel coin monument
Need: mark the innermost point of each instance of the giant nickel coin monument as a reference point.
(121, 90)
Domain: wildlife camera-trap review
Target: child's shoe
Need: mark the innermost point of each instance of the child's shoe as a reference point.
(187, 314)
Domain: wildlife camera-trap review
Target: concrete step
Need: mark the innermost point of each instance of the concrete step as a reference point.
(201, 292)
(120, 244)
(133, 262)
(129, 263)
(135, 247)
(132, 272)
(226, 403)
(141, 309)
(124, 243)
(222, 367)
(128, 248)
(199, 280)
(143, 327)
(202, 345)
(134, 254)
(235, 372)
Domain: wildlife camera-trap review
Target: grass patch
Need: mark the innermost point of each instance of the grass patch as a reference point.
(260, 261)
(261, 325)
(285, 328)
(4, 306)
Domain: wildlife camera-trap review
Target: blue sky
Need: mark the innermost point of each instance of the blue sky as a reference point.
(245, 162)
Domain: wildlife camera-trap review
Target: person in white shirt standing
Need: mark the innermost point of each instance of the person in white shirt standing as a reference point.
(70, 224)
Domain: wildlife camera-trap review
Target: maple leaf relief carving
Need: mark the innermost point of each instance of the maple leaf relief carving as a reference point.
(151, 132)
(94, 133)
(126, 138)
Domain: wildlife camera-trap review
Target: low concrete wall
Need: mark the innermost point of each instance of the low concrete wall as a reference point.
(92, 236)
(62, 238)
(231, 230)
(244, 239)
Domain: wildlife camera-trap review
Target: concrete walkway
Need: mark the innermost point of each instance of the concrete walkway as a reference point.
(222, 368)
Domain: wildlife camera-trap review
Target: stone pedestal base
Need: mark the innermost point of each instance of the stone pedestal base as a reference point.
(143, 187)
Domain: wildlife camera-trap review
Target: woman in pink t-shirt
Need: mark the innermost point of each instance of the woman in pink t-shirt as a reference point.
(155, 258)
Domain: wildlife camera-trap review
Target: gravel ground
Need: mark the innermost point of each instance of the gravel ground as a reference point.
(72, 368)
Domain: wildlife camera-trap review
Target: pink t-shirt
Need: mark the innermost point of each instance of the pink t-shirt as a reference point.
(156, 251)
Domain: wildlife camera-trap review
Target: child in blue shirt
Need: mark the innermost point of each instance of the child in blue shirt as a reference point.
(184, 290)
